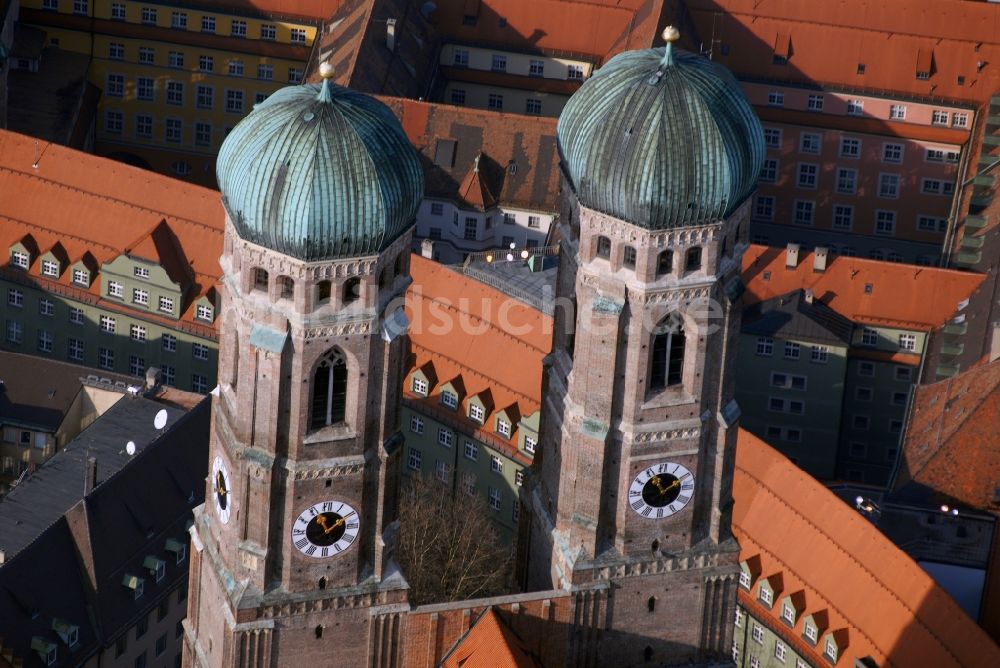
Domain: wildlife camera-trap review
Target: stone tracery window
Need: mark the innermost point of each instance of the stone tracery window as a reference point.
(666, 362)
(329, 390)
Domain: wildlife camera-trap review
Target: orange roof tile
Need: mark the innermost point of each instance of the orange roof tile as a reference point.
(474, 190)
(828, 40)
(93, 206)
(889, 607)
(902, 295)
(954, 423)
(464, 328)
(489, 644)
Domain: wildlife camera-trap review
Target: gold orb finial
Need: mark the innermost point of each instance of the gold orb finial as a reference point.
(326, 70)
(671, 34)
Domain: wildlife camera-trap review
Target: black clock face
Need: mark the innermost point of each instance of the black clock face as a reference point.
(221, 492)
(661, 490)
(325, 529)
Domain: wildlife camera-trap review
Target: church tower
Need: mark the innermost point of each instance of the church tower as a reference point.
(293, 546)
(630, 500)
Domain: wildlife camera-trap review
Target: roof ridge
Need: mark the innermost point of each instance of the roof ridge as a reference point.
(61, 234)
(913, 613)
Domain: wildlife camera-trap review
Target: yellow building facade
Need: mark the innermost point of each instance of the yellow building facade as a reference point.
(175, 79)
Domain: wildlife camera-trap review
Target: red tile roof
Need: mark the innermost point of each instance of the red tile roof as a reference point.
(876, 596)
(902, 295)
(480, 336)
(489, 644)
(828, 40)
(96, 209)
(951, 439)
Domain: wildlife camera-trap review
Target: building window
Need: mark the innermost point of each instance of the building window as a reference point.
(136, 365)
(147, 56)
(203, 134)
(75, 316)
(792, 350)
(766, 596)
(106, 358)
(75, 350)
(115, 289)
(471, 451)
(265, 72)
(518, 478)
(179, 20)
(536, 68)
(815, 103)
(959, 120)
(116, 51)
(892, 153)
(495, 498)
(298, 36)
(477, 413)
(804, 210)
(137, 332)
(471, 228)
(856, 107)
(772, 137)
(416, 424)
(175, 93)
(820, 354)
(199, 383)
(496, 464)
(779, 650)
(667, 355)
(149, 15)
(860, 422)
(206, 63)
(764, 207)
(811, 633)
(843, 216)
(692, 259)
(847, 181)
(294, 75)
(532, 106)
(145, 89)
(166, 304)
(113, 121)
(205, 312)
(415, 459)
(235, 68)
(205, 97)
(604, 247)
(940, 155)
(441, 470)
(208, 24)
(174, 130)
(81, 277)
(449, 399)
(831, 650)
(329, 399)
(665, 263)
(15, 331)
(199, 351)
(769, 171)
(574, 72)
(268, 32)
(885, 223)
(238, 28)
(44, 341)
(809, 143)
(869, 337)
(499, 63)
(939, 117)
(776, 99)
(765, 346)
(808, 174)
(908, 341)
(234, 101)
(888, 186)
(469, 483)
(50, 268)
(117, 11)
(445, 437)
(116, 85)
(850, 148)
(460, 58)
(419, 386)
(503, 427)
(140, 297)
(929, 224)
(757, 632)
(897, 112)
(628, 257)
(169, 343)
(495, 102)
(176, 59)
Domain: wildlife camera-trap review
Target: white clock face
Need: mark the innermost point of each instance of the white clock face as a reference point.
(661, 490)
(325, 529)
(222, 490)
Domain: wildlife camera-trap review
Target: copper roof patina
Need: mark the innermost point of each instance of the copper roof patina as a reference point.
(318, 172)
(661, 138)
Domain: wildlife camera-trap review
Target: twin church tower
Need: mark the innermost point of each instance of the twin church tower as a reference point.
(628, 506)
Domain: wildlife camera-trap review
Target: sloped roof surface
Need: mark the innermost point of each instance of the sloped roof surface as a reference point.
(889, 607)
(318, 171)
(661, 138)
(37, 391)
(489, 644)
(828, 40)
(792, 317)
(951, 440)
(902, 295)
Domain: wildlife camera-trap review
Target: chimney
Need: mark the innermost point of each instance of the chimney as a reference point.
(819, 258)
(152, 377)
(809, 296)
(427, 249)
(792, 256)
(390, 34)
(91, 480)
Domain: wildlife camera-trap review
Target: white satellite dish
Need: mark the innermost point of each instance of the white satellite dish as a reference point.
(160, 421)
(130, 448)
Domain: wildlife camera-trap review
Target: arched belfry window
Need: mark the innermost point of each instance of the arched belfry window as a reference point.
(352, 290)
(665, 263)
(604, 247)
(666, 363)
(329, 399)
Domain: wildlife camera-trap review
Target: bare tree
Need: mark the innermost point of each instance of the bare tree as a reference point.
(449, 548)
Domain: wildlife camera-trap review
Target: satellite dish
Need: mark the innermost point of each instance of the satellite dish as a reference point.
(160, 421)
(130, 448)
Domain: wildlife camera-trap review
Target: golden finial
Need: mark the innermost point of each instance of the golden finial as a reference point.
(326, 70)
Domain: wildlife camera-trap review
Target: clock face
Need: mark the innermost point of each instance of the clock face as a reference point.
(221, 490)
(661, 490)
(325, 529)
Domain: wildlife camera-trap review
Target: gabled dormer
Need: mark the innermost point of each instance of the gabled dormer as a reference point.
(134, 583)
(769, 589)
(834, 645)
(46, 650)
(792, 607)
(749, 572)
(452, 393)
(814, 626)
(479, 406)
(155, 566)
(204, 307)
(527, 437)
(23, 253)
(423, 379)
(84, 270)
(70, 633)
(505, 420)
(53, 262)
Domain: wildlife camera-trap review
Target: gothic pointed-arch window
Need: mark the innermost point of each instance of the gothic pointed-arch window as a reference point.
(666, 364)
(329, 398)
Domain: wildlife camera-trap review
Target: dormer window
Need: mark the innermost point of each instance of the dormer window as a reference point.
(420, 386)
(205, 312)
(477, 413)
(766, 595)
(830, 651)
(50, 269)
(449, 399)
(135, 583)
(19, 259)
(788, 613)
(529, 444)
(811, 633)
(140, 272)
(503, 427)
(745, 579)
(81, 277)
(156, 567)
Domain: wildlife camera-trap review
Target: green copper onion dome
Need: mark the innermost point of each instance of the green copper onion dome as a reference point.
(661, 138)
(319, 172)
